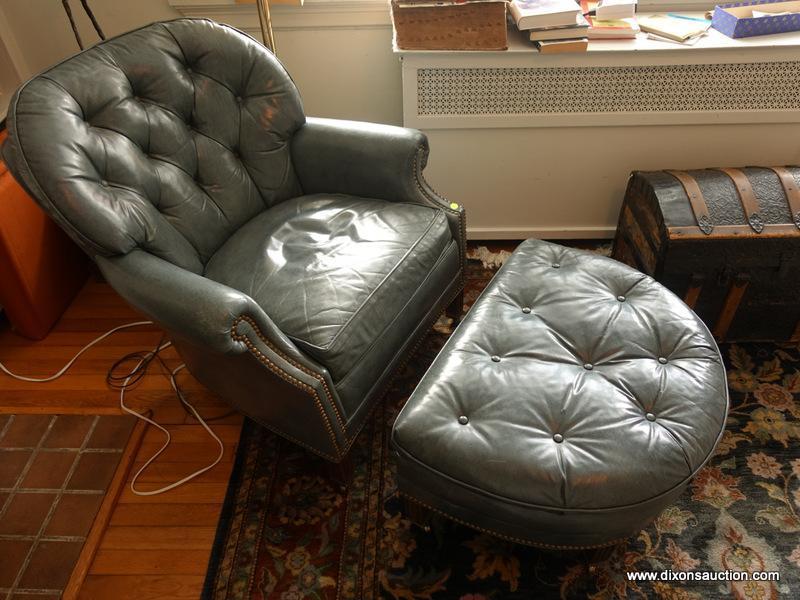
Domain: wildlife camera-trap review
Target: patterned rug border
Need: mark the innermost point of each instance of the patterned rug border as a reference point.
(249, 429)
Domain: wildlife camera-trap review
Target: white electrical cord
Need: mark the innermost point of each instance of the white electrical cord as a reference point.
(168, 439)
(66, 367)
(147, 356)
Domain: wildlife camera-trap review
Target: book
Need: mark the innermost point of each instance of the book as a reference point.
(688, 42)
(578, 30)
(615, 9)
(560, 46)
(617, 29)
(678, 30)
(536, 14)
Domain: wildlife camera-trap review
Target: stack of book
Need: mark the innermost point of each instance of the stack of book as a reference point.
(608, 29)
(554, 25)
(566, 26)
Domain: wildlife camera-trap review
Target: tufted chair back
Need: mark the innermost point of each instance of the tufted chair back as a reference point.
(168, 138)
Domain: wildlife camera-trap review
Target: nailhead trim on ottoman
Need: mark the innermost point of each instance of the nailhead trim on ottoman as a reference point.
(571, 406)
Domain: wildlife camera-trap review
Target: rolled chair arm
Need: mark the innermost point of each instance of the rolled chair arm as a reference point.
(194, 307)
(371, 161)
(360, 159)
(205, 313)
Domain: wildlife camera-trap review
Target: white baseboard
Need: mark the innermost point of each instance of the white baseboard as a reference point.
(543, 233)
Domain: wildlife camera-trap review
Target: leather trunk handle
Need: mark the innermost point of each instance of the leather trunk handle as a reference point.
(747, 197)
(791, 190)
(696, 200)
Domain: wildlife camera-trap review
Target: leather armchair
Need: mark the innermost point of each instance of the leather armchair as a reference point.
(293, 261)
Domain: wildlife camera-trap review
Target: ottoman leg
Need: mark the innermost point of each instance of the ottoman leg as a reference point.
(456, 308)
(601, 555)
(418, 514)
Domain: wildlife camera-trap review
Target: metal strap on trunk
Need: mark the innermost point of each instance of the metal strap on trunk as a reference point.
(696, 200)
(747, 198)
(791, 190)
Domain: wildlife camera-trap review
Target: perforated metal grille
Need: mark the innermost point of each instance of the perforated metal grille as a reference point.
(667, 88)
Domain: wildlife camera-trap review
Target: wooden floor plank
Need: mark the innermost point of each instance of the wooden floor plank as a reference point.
(149, 562)
(166, 515)
(158, 538)
(197, 452)
(138, 587)
(165, 472)
(186, 434)
(195, 493)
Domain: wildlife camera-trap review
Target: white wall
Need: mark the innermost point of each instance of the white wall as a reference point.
(344, 73)
(43, 34)
(341, 59)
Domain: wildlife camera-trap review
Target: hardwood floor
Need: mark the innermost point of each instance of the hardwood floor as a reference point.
(154, 546)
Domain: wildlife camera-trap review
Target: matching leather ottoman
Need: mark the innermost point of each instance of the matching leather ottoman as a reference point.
(571, 406)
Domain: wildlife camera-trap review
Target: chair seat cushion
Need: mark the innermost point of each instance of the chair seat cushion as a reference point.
(333, 271)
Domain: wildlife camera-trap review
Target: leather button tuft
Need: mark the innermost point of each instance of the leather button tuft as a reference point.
(495, 358)
(556, 265)
(189, 70)
(588, 366)
(621, 298)
(662, 360)
(239, 99)
(558, 438)
(104, 183)
(463, 419)
(527, 310)
(650, 417)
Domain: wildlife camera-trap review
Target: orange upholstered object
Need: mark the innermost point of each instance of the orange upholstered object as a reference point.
(41, 269)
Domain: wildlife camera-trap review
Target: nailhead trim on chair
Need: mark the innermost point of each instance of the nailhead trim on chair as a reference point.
(401, 365)
(295, 382)
(516, 540)
(438, 199)
(319, 377)
(294, 440)
(310, 390)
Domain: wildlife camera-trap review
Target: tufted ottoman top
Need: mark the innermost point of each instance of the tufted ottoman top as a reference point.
(575, 385)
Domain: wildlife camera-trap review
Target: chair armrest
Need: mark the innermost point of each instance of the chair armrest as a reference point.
(361, 159)
(190, 306)
(371, 161)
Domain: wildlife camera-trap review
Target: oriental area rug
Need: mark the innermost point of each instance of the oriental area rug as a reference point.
(289, 533)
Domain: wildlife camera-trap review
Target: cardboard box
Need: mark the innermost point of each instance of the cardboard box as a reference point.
(736, 20)
(450, 24)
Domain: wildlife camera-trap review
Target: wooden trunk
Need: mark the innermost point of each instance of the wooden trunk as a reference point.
(726, 241)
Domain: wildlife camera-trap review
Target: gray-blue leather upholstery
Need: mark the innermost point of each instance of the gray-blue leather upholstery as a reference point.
(293, 261)
(574, 402)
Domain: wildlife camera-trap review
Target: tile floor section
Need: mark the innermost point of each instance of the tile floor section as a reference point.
(54, 470)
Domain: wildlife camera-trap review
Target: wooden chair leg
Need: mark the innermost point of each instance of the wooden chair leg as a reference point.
(456, 308)
(418, 514)
(341, 473)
